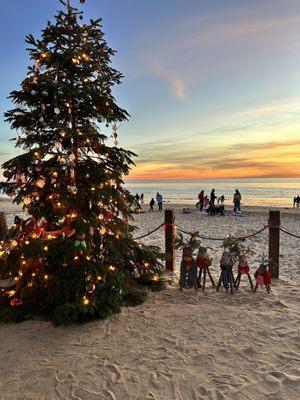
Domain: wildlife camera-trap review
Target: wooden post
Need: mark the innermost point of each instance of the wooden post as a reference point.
(274, 240)
(170, 234)
(3, 226)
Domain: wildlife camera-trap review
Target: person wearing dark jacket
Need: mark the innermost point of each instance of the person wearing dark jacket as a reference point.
(213, 197)
(151, 204)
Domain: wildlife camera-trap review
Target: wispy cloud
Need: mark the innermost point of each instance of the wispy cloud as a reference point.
(174, 80)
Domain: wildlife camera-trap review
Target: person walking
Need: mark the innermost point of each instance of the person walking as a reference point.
(212, 197)
(142, 198)
(151, 204)
(159, 200)
(201, 198)
(298, 200)
(237, 202)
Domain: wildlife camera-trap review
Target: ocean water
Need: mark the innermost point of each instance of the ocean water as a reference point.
(260, 192)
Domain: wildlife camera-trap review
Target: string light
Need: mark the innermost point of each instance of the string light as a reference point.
(46, 248)
(85, 301)
(112, 268)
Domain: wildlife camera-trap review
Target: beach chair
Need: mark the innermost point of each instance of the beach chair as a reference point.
(188, 270)
(203, 262)
(243, 269)
(262, 277)
(226, 276)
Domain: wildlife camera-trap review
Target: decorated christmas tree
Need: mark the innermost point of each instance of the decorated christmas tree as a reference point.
(74, 258)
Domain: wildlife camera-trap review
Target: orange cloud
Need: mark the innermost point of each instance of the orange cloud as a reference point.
(271, 159)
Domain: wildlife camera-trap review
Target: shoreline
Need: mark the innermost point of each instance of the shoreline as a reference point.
(7, 206)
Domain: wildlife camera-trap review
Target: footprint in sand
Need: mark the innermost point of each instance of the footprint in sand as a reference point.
(114, 372)
(7, 371)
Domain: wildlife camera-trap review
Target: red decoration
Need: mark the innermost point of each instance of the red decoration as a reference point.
(15, 302)
(91, 288)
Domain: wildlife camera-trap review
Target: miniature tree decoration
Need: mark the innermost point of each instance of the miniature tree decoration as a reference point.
(74, 255)
(232, 250)
(262, 275)
(188, 266)
(204, 261)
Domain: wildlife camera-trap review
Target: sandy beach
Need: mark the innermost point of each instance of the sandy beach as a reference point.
(178, 345)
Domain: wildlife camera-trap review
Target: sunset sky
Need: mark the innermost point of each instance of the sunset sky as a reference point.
(213, 87)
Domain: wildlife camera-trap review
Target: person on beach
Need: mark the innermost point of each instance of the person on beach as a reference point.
(201, 198)
(237, 202)
(298, 200)
(213, 197)
(206, 201)
(295, 201)
(221, 200)
(142, 198)
(159, 200)
(151, 204)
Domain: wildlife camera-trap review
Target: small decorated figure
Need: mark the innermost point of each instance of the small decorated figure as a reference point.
(226, 276)
(188, 266)
(243, 269)
(188, 270)
(204, 261)
(262, 276)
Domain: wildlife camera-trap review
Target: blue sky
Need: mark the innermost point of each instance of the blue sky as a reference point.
(213, 87)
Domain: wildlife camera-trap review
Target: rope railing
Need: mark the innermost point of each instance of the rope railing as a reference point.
(289, 233)
(149, 233)
(222, 239)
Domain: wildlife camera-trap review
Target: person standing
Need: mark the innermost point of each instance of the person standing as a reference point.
(237, 202)
(159, 200)
(142, 198)
(298, 200)
(212, 197)
(201, 198)
(151, 204)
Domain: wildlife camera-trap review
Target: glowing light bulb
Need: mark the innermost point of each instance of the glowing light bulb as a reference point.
(85, 301)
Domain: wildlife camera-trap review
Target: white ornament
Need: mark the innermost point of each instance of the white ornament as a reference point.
(33, 92)
(57, 110)
(44, 93)
(41, 119)
(43, 106)
(73, 189)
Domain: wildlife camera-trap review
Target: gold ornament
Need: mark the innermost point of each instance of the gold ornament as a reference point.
(27, 200)
(40, 183)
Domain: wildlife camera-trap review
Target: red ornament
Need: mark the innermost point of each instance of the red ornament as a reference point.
(15, 302)
(91, 288)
